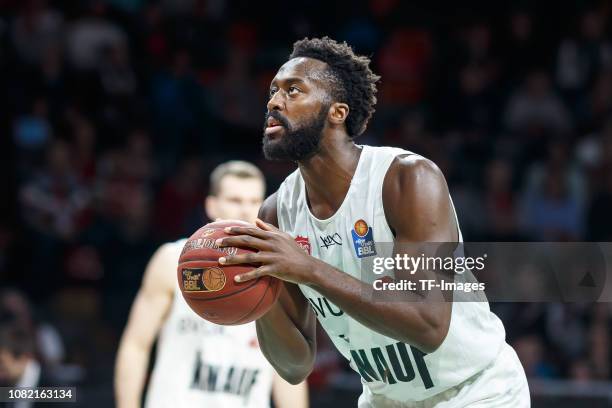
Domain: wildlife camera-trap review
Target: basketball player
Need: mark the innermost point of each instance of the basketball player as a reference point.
(333, 212)
(198, 363)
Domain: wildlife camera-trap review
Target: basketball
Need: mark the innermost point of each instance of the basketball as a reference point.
(209, 288)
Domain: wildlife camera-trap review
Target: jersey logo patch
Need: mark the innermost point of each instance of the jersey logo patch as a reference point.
(304, 243)
(363, 239)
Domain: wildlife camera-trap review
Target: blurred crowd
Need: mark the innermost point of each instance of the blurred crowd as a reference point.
(114, 111)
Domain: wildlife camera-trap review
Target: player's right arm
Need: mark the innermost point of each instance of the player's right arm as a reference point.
(286, 333)
(150, 308)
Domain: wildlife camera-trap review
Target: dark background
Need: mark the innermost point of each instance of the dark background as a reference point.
(112, 114)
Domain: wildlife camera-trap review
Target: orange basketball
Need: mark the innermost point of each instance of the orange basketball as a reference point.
(209, 288)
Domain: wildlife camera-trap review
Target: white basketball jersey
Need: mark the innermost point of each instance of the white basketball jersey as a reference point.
(396, 370)
(202, 364)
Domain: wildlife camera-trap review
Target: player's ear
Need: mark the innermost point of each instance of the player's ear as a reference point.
(210, 207)
(338, 112)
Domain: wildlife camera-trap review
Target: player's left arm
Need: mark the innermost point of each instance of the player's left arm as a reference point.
(286, 395)
(418, 209)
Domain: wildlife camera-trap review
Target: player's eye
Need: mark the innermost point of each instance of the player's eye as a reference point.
(293, 90)
(272, 92)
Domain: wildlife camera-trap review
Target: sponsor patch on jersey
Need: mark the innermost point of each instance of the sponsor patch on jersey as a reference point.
(363, 239)
(203, 279)
(304, 243)
(330, 240)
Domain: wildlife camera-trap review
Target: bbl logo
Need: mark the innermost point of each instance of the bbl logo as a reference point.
(363, 239)
(203, 280)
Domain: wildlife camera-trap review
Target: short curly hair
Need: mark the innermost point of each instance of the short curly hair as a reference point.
(352, 80)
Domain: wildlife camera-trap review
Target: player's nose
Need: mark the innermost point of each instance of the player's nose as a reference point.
(276, 102)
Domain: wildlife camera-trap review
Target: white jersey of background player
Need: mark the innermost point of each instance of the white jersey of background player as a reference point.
(198, 363)
(344, 205)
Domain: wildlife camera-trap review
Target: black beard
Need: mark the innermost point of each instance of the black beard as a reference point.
(296, 144)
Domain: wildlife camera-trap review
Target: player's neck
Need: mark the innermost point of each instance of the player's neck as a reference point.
(328, 175)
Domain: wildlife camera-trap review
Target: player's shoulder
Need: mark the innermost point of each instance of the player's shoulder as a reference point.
(412, 170)
(412, 181)
(268, 210)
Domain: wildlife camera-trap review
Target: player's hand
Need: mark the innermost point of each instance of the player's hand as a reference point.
(278, 255)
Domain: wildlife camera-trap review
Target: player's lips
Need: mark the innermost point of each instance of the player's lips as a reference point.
(272, 126)
(273, 129)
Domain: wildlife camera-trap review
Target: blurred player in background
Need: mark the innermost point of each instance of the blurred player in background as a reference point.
(19, 366)
(198, 363)
(47, 340)
(338, 208)
(30, 350)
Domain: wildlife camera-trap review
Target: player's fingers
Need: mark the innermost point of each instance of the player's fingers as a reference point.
(254, 274)
(243, 241)
(254, 232)
(265, 226)
(271, 229)
(249, 258)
